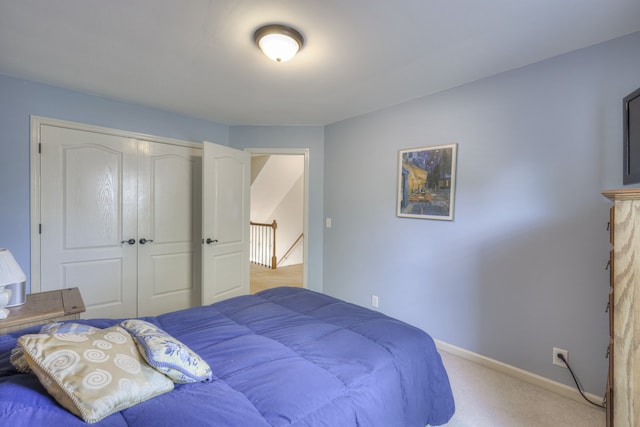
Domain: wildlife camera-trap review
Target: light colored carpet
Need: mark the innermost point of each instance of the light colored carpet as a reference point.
(265, 278)
(488, 398)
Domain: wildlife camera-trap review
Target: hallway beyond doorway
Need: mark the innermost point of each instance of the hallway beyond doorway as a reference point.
(264, 278)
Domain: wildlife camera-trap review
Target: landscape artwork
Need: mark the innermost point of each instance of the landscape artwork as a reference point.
(426, 182)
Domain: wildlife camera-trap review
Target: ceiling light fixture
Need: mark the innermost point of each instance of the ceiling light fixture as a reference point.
(279, 42)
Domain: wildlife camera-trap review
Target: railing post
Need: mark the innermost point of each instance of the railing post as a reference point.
(263, 244)
(274, 261)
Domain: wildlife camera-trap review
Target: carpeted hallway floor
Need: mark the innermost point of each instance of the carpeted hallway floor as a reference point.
(264, 278)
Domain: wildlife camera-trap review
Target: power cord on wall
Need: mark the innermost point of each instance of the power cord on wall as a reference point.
(561, 357)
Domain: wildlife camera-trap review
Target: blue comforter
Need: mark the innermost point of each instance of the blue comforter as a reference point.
(283, 357)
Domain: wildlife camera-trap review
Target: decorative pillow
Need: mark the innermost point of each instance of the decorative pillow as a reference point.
(93, 375)
(68, 328)
(167, 354)
(17, 358)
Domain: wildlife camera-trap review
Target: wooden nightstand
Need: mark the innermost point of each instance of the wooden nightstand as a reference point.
(44, 307)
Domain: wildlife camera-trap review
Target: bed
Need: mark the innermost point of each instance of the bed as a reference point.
(282, 357)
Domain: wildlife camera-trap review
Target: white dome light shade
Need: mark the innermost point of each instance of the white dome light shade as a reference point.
(278, 47)
(278, 42)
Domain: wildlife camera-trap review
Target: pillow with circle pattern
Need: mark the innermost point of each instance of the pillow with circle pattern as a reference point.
(93, 375)
(17, 358)
(166, 354)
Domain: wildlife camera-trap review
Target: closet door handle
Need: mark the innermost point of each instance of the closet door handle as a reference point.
(130, 241)
(209, 241)
(143, 241)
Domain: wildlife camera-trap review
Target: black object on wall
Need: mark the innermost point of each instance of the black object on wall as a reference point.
(631, 148)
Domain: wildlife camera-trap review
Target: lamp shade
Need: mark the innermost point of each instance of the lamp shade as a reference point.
(278, 42)
(10, 271)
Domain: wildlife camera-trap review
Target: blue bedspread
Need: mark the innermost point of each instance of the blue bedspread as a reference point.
(283, 357)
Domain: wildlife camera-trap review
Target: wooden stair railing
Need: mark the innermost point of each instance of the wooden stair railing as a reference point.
(286, 254)
(263, 244)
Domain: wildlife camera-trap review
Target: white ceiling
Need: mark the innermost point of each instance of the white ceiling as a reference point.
(197, 57)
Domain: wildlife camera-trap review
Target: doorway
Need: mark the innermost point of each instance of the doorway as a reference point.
(279, 191)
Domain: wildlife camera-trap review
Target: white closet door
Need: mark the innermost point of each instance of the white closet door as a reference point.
(88, 208)
(169, 224)
(225, 222)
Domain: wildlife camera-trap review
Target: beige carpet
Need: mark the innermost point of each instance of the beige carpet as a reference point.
(488, 398)
(265, 278)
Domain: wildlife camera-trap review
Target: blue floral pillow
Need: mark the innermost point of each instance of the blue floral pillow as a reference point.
(166, 354)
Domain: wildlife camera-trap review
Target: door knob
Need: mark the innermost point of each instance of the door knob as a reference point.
(209, 241)
(130, 241)
(143, 241)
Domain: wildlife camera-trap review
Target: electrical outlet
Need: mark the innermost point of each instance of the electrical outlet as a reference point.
(374, 301)
(556, 360)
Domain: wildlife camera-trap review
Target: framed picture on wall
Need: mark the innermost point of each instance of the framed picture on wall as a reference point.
(427, 182)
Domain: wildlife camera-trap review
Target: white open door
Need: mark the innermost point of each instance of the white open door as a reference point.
(225, 222)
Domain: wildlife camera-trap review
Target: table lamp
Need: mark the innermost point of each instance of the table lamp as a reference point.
(10, 275)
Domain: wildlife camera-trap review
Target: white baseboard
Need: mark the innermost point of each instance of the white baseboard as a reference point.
(521, 374)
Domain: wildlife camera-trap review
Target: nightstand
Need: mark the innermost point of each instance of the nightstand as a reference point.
(44, 307)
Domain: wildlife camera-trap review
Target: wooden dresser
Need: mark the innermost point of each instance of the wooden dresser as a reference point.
(623, 390)
(44, 307)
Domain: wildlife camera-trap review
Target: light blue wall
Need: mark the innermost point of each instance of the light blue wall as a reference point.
(312, 138)
(521, 269)
(19, 99)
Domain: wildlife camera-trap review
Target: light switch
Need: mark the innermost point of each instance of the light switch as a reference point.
(327, 222)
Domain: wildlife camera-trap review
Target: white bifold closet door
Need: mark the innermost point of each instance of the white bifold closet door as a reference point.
(121, 220)
(88, 202)
(169, 224)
